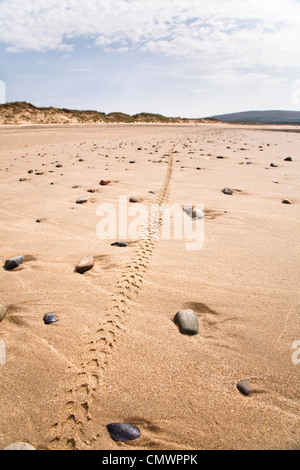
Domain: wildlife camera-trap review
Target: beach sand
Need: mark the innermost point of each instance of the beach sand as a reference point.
(116, 355)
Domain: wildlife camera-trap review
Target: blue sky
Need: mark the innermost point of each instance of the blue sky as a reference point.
(189, 58)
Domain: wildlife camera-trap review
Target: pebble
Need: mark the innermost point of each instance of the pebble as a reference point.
(286, 201)
(187, 322)
(227, 191)
(3, 311)
(82, 200)
(59, 165)
(132, 161)
(30, 171)
(273, 165)
(288, 159)
(50, 318)
(134, 199)
(119, 244)
(123, 432)
(197, 214)
(39, 173)
(23, 179)
(244, 387)
(20, 446)
(13, 263)
(85, 264)
(104, 182)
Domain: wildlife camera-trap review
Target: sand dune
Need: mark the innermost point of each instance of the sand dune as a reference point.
(115, 354)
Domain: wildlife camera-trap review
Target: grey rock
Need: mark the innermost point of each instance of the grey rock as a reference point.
(187, 321)
(197, 214)
(85, 264)
(13, 263)
(3, 311)
(82, 200)
(50, 318)
(273, 165)
(134, 199)
(121, 244)
(188, 209)
(227, 191)
(244, 387)
(20, 446)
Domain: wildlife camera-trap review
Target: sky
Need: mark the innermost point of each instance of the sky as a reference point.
(188, 58)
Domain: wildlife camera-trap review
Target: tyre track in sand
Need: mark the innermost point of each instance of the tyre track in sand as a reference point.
(69, 432)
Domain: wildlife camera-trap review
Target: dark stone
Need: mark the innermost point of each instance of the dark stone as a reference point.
(187, 322)
(244, 387)
(121, 244)
(123, 432)
(273, 165)
(288, 159)
(82, 200)
(13, 263)
(50, 318)
(227, 191)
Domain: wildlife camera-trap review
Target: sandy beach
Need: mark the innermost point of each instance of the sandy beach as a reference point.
(115, 353)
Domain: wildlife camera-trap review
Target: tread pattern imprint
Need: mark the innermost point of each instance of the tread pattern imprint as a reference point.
(68, 432)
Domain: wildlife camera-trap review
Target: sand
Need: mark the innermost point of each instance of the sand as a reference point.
(115, 355)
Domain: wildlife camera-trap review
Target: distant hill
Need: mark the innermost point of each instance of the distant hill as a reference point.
(21, 112)
(262, 117)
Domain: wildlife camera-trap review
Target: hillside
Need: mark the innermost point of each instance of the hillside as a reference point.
(262, 117)
(26, 113)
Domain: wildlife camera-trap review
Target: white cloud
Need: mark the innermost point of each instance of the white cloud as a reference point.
(241, 33)
(2, 92)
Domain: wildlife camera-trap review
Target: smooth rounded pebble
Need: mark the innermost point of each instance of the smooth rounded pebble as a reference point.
(273, 165)
(85, 264)
(244, 387)
(227, 191)
(82, 200)
(286, 201)
(20, 446)
(288, 159)
(3, 311)
(50, 318)
(123, 432)
(187, 322)
(122, 244)
(197, 214)
(134, 199)
(13, 263)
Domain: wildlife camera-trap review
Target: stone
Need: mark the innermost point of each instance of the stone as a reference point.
(244, 387)
(197, 214)
(123, 432)
(23, 179)
(59, 165)
(3, 311)
(13, 263)
(286, 201)
(50, 318)
(104, 182)
(121, 244)
(134, 199)
(273, 165)
(85, 264)
(288, 159)
(30, 171)
(20, 446)
(227, 191)
(187, 321)
(132, 161)
(82, 200)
